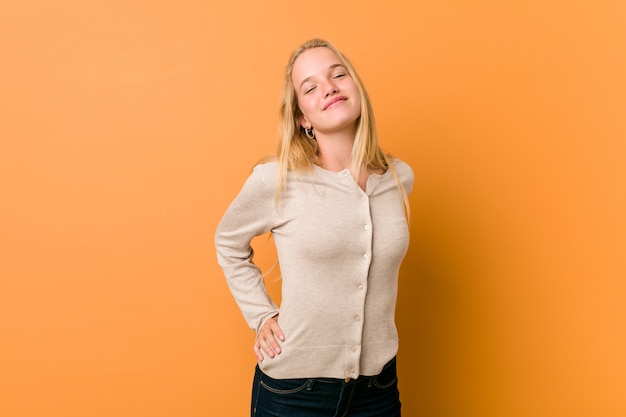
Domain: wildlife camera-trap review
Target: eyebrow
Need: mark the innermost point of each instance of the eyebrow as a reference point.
(332, 67)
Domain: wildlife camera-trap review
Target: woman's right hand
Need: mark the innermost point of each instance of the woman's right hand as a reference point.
(267, 339)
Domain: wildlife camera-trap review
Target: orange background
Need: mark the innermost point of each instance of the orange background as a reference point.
(127, 127)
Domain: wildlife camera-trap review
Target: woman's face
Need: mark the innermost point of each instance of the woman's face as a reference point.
(327, 96)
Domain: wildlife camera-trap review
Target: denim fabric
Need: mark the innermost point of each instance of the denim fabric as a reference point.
(367, 396)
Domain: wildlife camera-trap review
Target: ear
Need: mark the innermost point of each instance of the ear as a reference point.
(304, 122)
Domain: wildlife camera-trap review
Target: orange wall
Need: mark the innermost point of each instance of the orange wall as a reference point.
(126, 127)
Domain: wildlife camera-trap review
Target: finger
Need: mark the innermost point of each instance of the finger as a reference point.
(274, 343)
(258, 352)
(269, 337)
(269, 347)
(276, 330)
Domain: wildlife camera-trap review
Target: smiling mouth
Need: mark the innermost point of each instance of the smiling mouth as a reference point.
(333, 101)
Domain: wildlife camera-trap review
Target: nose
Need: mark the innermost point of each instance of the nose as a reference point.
(330, 89)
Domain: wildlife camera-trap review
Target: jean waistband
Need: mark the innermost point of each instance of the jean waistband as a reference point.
(361, 378)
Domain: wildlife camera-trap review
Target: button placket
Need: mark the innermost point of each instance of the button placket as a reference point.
(354, 342)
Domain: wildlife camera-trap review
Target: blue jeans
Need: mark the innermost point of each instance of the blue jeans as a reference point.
(367, 396)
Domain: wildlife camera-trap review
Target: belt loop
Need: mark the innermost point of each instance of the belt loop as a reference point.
(309, 385)
(370, 381)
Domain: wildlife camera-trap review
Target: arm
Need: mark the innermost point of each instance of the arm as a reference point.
(250, 214)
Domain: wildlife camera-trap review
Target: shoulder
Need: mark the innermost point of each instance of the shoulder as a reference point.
(261, 182)
(402, 168)
(404, 173)
(266, 172)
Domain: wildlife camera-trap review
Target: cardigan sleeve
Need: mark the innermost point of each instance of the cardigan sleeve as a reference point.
(250, 214)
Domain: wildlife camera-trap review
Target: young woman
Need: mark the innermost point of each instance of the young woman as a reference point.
(337, 208)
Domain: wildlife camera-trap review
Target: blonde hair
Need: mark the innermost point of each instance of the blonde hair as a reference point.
(296, 152)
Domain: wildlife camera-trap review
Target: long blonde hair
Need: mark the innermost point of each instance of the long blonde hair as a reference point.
(296, 152)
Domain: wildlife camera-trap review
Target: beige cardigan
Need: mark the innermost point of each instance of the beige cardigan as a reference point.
(339, 250)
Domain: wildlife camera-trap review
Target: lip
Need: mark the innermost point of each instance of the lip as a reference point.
(335, 100)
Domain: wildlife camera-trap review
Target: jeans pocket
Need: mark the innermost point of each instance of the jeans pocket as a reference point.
(387, 377)
(284, 386)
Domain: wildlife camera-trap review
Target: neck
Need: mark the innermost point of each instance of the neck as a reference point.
(336, 150)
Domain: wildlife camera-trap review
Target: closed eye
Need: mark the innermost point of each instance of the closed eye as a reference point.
(340, 75)
(308, 90)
